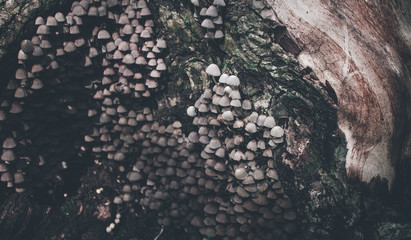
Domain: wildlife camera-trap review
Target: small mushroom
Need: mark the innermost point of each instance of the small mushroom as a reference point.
(208, 24)
(240, 173)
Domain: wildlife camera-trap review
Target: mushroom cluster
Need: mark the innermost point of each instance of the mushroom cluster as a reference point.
(238, 145)
(221, 179)
(85, 80)
(211, 18)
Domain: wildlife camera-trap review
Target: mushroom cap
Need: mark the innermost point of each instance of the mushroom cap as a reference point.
(269, 122)
(214, 143)
(8, 155)
(233, 81)
(218, 34)
(123, 20)
(191, 111)
(60, 17)
(6, 177)
(51, 21)
(128, 59)
(43, 30)
(235, 103)
(37, 84)
(161, 43)
(277, 132)
(195, 2)
(37, 68)
(145, 34)
(70, 47)
(224, 101)
(39, 21)
(227, 116)
(212, 11)
(93, 11)
(246, 105)
(27, 46)
(161, 66)
(220, 3)
(218, 20)
(140, 60)
(111, 46)
(37, 51)
(240, 173)
(21, 74)
(128, 29)
(251, 127)
(235, 94)
(134, 176)
(213, 70)
(79, 11)
(18, 177)
(155, 74)
(211, 208)
(253, 117)
(145, 11)
(20, 93)
(208, 23)
(103, 34)
(252, 145)
(9, 143)
(223, 78)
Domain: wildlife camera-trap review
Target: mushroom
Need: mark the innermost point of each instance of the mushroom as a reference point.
(212, 11)
(208, 24)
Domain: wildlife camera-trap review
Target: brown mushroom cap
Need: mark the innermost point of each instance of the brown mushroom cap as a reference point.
(27, 46)
(9, 143)
(8, 155)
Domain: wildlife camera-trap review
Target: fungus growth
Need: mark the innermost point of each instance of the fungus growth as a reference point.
(101, 65)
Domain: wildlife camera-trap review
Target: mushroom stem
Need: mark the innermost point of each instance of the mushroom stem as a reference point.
(215, 81)
(159, 234)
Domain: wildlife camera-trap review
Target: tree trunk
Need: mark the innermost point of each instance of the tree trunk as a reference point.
(334, 75)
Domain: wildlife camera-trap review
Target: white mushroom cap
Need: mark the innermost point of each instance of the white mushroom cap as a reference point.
(195, 2)
(39, 21)
(224, 101)
(208, 23)
(228, 116)
(213, 70)
(220, 3)
(103, 34)
(218, 20)
(128, 59)
(218, 34)
(246, 105)
(228, 90)
(203, 11)
(269, 122)
(235, 94)
(235, 103)
(161, 43)
(277, 132)
(223, 78)
(233, 81)
(253, 117)
(251, 127)
(252, 145)
(212, 11)
(261, 119)
(191, 111)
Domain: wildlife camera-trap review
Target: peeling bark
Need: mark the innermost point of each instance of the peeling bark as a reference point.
(359, 48)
